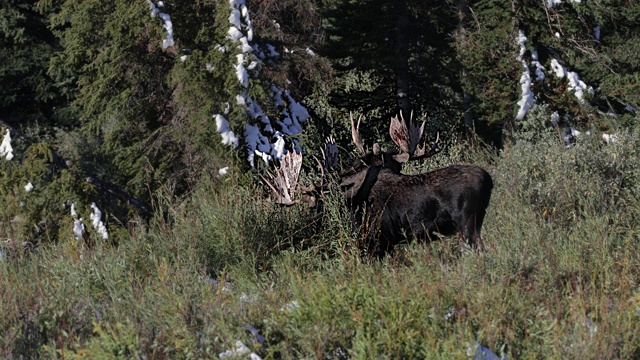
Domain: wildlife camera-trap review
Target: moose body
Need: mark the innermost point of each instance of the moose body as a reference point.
(395, 207)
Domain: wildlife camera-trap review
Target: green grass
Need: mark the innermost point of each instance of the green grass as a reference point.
(559, 278)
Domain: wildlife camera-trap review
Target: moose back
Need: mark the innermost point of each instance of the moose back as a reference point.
(395, 207)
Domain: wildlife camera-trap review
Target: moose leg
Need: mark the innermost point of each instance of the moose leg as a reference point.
(472, 231)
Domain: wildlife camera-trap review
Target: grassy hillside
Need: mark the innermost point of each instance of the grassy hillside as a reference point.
(559, 278)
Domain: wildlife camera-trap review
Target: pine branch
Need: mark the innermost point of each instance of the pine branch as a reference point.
(104, 188)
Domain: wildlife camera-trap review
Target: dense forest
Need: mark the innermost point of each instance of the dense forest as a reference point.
(136, 134)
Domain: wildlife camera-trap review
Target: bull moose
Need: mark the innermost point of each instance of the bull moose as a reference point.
(393, 206)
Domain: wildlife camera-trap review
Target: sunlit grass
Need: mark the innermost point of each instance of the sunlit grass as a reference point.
(559, 278)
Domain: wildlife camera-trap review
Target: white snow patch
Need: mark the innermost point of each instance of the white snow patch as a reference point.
(293, 305)
(252, 65)
(234, 34)
(168, 26)
(5, 148)
(272, 51)
(576, 85)
(244, 45)
(240, 350)
(558, 69)
(228, 137)
(234, 18)
(255, 333)
(241, 72)
(153, 8)
(263, 137)
(297, 110)
(278, 147)
(539, 68)
(478, 352)
(78, 228)
(97, 223)
(527, 100)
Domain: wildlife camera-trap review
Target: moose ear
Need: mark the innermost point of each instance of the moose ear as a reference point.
(401, 158)
(376, 149)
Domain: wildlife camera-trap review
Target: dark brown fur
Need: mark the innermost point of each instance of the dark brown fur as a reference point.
(447, 201)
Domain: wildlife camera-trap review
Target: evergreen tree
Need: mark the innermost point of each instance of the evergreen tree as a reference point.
(394, 55)
(27, 95)
(571, 55)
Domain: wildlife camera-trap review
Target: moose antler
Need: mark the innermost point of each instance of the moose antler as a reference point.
(355, 133)
(330, 153)
(285, 181)
(407, 136)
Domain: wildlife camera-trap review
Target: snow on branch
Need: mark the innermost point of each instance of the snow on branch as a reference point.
(553, 3)
(577, 86)
(262, 136)
(168, 25)
(97, 223)
(78, 226)
(228, 137)
(5, 148)
(527, 100)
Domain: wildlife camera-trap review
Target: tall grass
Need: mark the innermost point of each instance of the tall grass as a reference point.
(559, 278)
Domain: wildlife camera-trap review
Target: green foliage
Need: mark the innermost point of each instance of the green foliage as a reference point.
(567, 183)
(27, 95)
(367, 58)
(558, 279)
(41, 214)
(486, 48)
(586, 38)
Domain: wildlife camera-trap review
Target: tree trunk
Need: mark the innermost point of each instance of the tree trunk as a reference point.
(402, 58)
(467, 98)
